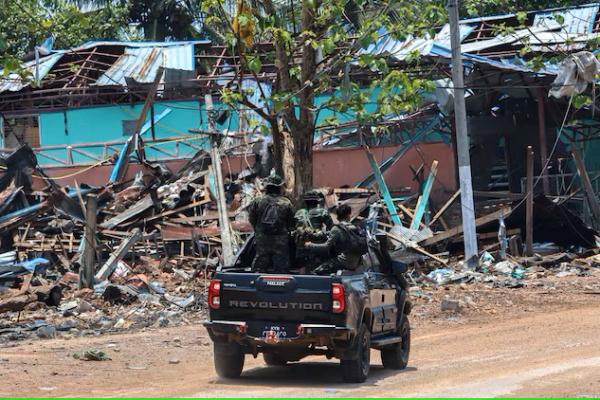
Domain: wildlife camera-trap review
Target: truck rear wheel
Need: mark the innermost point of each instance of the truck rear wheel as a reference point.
(395, 356)
(357, 370)
(274, 360)
(229, 360)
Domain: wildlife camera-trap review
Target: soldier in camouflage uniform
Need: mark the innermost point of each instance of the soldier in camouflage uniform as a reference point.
(339, 247)
(272, 217)
(314, 216)
(312, 223)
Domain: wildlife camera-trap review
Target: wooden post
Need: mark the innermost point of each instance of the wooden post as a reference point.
(86, 278)
(587, 185)
(529, 205)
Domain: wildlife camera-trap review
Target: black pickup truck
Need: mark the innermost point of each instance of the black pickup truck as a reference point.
(290, 316)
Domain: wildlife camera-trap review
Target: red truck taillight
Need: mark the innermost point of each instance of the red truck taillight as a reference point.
(338, 301)
(214, 294)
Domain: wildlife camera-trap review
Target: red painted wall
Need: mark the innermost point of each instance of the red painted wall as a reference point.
(332, 168)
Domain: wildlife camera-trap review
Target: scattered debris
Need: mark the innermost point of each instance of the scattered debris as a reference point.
(92, 355)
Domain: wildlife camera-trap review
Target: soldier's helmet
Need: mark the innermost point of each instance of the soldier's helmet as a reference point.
(274, 180)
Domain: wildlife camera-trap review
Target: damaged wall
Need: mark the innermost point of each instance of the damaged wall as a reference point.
(347, 166)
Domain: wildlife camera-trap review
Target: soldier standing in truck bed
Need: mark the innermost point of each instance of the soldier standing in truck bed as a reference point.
(272, 217)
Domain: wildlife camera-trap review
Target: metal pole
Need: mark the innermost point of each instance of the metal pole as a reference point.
(462, 140)
(226, 238)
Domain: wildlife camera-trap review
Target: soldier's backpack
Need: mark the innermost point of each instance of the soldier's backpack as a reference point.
(357, 237)
(270, 219)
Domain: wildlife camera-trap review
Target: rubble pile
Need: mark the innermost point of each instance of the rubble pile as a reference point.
(156, 241)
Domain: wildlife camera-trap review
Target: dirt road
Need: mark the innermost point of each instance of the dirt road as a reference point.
(553, 352)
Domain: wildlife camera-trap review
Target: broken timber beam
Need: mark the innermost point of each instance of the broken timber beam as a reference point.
(139, 207)
(416, 247)
(118, 254)
(459, 229)
(424, 198)
(587, 184)
(383, 189)
(445, 207)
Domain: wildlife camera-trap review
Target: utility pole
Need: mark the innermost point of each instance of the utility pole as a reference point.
(226, 238)
(462, 140)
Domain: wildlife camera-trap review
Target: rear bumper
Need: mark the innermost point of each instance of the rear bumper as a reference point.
(306, 334)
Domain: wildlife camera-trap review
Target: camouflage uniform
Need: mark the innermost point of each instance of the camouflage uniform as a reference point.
(311, 224)
(338, 248)
(272, 248)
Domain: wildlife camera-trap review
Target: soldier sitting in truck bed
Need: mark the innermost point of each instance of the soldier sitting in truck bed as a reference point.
(312, 224)
(344, 247)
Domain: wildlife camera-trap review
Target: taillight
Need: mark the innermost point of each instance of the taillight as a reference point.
(242, 328)
(338, 301)
(214, 294)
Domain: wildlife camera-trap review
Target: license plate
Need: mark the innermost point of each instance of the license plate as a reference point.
(272, 334)
(271, 337)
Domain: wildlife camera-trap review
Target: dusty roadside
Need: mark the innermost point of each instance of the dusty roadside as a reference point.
(517, 342)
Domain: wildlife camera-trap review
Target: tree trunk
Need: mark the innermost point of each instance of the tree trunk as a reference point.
(278, 148)
(303, 160)
(289, 165)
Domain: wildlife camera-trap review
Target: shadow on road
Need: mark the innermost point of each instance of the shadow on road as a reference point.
(309, 374)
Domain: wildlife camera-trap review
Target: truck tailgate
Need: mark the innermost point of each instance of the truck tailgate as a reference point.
(274, 298)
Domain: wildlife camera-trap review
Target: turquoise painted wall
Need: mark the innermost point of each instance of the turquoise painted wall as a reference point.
(104, 123)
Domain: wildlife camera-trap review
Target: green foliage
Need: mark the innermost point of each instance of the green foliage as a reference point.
(26, 23)
(582, 100)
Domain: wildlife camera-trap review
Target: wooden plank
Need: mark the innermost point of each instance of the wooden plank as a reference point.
(424, 199)
(138, 208)
(383, 189)
(118, 254)
(178, 210)
(415, 247)
(529, 205)
(445, 207)
(408, 212)
(587, 184)
(498, 195)
(459, 229)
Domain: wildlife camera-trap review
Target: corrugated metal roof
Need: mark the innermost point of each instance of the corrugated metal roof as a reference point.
(575, 20)
(516, 36)
(141, 63)
(14, 83)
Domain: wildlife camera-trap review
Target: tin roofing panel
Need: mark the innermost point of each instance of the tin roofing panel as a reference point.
(141, 63)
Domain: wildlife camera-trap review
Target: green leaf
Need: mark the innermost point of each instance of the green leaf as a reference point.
(254, 64)
(559, 18)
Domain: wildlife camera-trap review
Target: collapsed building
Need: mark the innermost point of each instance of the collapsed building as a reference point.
(124, 122)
